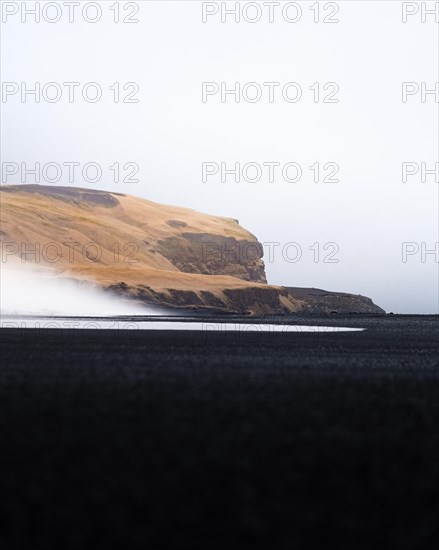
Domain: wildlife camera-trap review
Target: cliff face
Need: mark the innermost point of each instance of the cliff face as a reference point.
(212, 254)
(153, 253)
(157, 254)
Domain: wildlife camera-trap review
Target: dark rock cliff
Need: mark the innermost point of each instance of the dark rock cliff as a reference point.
(210, 254)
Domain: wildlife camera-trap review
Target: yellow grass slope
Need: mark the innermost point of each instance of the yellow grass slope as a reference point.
(151, 252)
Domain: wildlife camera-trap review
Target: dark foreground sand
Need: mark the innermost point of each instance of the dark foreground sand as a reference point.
(207, 441)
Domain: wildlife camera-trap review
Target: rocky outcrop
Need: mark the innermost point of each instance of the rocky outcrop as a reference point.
(212, 254)
(322, 302)
(262, 300)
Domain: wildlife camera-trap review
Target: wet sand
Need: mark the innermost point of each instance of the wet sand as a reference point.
(204, 439)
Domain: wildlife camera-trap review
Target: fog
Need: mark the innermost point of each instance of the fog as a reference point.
(35, 291)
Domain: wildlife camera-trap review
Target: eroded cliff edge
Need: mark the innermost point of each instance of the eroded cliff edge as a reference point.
(148, 252)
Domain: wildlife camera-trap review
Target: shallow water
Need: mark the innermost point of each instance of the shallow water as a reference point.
(165, 323)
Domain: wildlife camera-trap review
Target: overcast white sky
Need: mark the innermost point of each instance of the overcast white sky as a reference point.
(170, 132)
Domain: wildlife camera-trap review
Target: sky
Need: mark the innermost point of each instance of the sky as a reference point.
(171, 133)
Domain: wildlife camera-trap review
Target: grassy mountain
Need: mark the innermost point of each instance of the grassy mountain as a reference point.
(155, 253)
(158, 254)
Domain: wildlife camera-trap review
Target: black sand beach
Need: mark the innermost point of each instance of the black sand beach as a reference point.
(209, 440)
